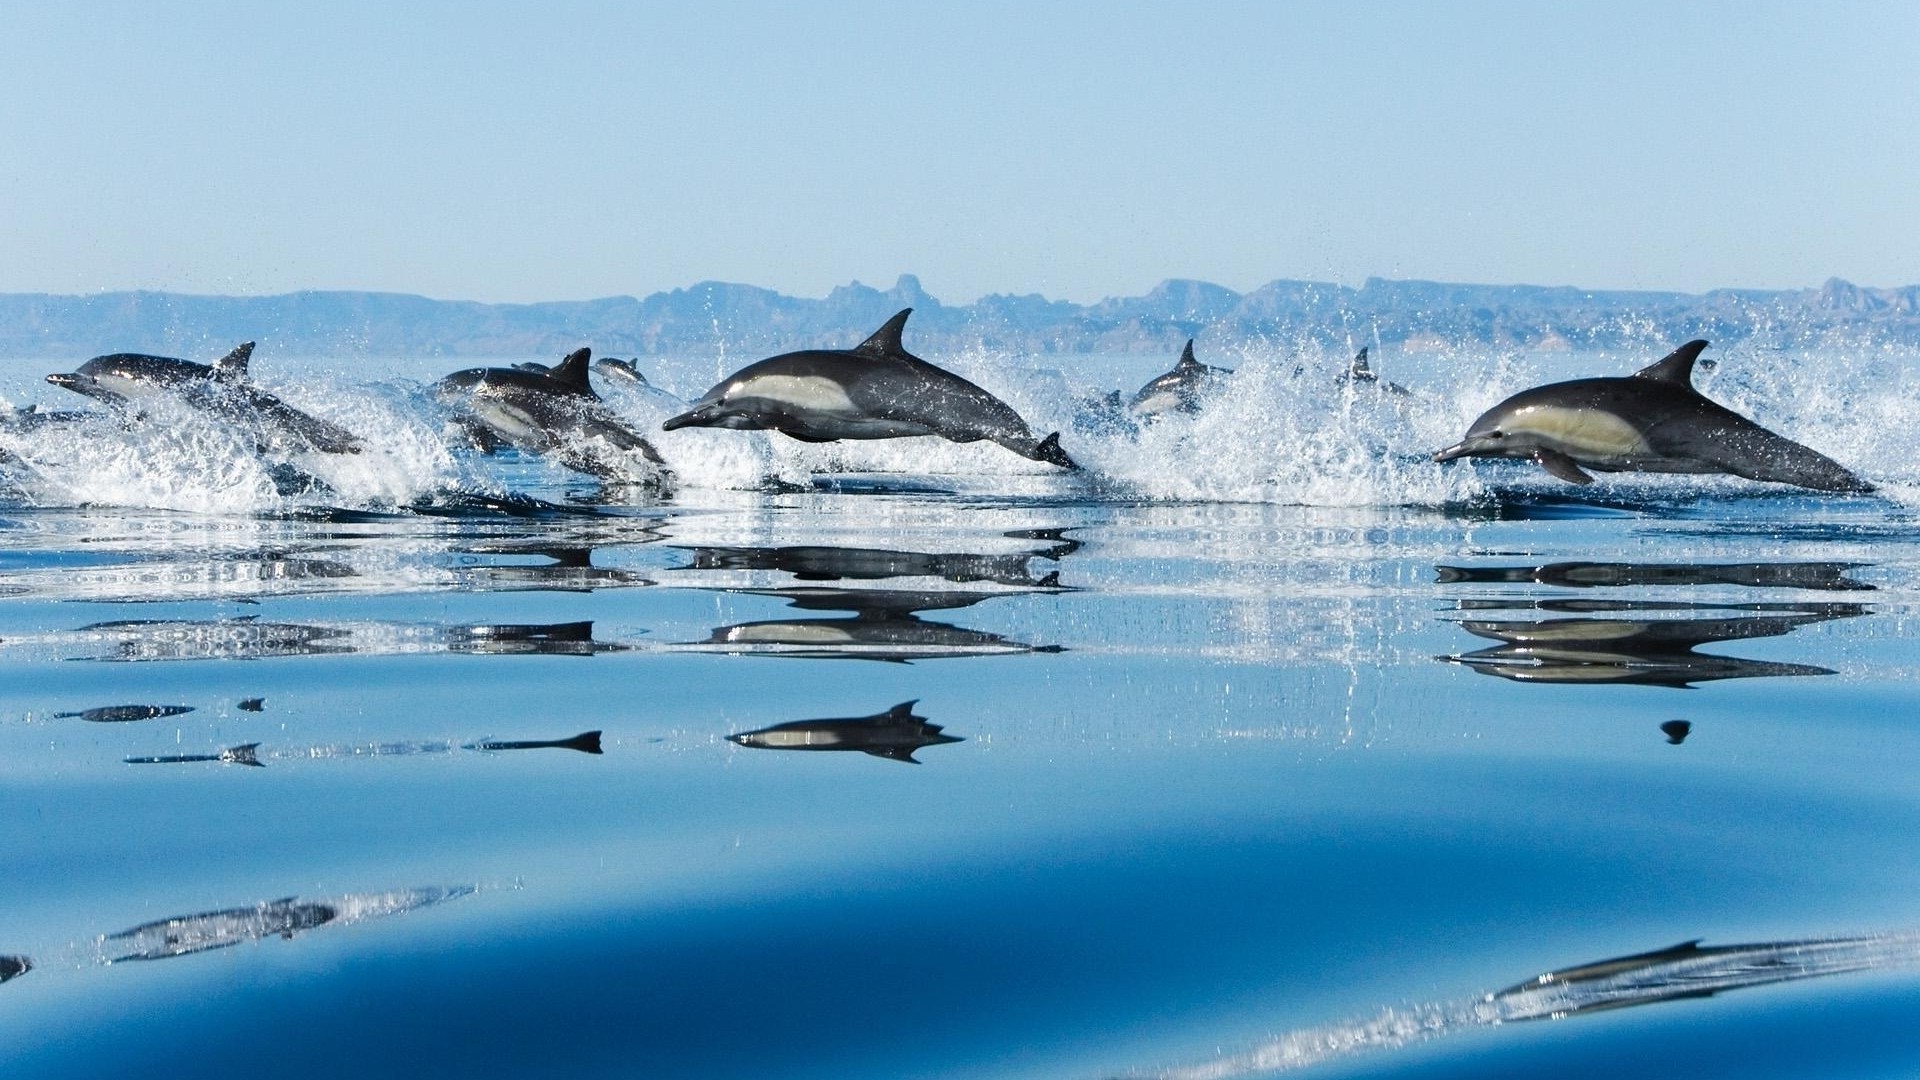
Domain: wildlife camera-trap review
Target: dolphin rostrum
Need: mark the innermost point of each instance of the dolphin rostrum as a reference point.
(551, 411)
(220, 388)
(875, 390)
(1181, 390)
(1651, 421)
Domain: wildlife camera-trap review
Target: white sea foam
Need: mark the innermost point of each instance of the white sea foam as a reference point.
(1282, 429)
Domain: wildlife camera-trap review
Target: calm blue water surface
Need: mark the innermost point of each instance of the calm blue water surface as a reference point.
(1209, 786)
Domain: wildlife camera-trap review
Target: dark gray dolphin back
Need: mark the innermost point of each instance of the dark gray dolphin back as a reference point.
(1723, 438)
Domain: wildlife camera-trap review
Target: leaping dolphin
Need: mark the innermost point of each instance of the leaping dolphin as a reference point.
(1179, 390)
(1651, 421)
(220, 388)
(875, 390)
(552, 411)
(1360, 374)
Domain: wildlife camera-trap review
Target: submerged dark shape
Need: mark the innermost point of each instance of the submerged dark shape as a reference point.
(185, 934)
(1360, 374)
(1183, 389)
(252, 704)
(1643, 651)
(1689, 970)
(123, 714)
(552, 411)
(1815, 576)
(1651, 421)
(1676, 731)
(587, 742)
(244, 754)
(12, 967)
(222, 389)
(875, 390)
(528, 639)
(894, 734)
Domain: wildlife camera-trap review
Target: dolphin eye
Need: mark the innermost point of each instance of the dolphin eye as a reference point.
(1496, 434)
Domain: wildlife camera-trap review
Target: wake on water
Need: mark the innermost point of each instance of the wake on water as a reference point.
(1283, 429)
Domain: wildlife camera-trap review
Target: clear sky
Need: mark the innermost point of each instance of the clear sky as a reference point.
(571, 150)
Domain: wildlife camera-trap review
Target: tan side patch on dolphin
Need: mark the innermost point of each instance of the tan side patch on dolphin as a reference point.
(814, 393)
(1582, 433)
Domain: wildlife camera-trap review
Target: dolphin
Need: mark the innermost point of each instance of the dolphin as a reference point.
(121, 379)
(551, 411)
(1651, 421)
(1360, 375)
(894, 734)
(1179, 390)
(875, 390)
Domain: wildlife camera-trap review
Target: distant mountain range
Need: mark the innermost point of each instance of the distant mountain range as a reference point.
(750, 322)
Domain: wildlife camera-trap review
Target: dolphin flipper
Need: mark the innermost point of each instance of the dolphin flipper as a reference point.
(1562, 466)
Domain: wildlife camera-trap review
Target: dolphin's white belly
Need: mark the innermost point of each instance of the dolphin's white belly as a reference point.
(1586, 435)
(131, 389)
(789, 740)
(1160, 401)
(513, 423)
(788, 634)
(797, 393)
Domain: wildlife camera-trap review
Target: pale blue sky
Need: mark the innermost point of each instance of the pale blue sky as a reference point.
(573, 150)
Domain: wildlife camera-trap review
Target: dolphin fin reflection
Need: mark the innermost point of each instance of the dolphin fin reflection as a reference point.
(1688, 970)
(895, 734)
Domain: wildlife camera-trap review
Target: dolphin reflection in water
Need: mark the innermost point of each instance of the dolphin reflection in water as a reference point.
(1685, 971)
(894, 734)
(587, 742)
(208, 930)
(1654, 650)
(1813, 576)
(12, 967)
(884, 625)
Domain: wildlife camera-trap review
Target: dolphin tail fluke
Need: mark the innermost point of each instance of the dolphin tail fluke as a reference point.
(1049, 451)
(244, 754)
(587, 742)
(233, 366)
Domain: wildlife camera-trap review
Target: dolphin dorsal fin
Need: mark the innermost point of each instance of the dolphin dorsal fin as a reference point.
(1676, 367)
(902, 711)
(573, 370)
(1361, 369)
(1186, 356)
(233, 366)
(886, 340)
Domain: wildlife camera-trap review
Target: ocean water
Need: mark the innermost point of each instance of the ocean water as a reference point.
(1265, 744)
